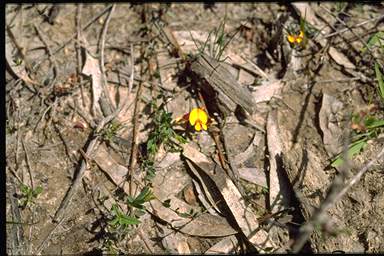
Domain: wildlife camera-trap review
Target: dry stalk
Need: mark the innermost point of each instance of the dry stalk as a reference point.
(78, 51)
(91, 146)
(50, 56)
(355, 26)
(133, 160)
(102, 45)
(28, 164)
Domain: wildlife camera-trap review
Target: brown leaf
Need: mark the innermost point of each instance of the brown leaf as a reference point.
(92, 68)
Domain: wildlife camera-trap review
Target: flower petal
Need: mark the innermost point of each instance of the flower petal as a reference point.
(193, 116)
(291, 38)
(202, 116)
(204, 126)
(198, 126)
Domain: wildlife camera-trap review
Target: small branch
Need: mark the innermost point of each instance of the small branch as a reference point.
(132, 69)
(78, 50)
(92, 146)
(133, 160)
(102, 45)
(356, 26)
(50, 56)
(28, 164)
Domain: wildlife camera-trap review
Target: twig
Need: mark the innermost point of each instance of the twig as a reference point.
(43, 115)
(78, 50)
(356, 26)
(132, 70)
(320, 215)
(28, 164)
(14, 173)
(349, 28)
(64, 142)
(47, 238)
(92, 145)
(50, 55)
(102, 45)
(140, 233)
(132, 160)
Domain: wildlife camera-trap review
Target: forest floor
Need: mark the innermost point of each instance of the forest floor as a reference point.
(194, 128)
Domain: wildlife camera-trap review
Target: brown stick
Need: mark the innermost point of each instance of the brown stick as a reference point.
(78, 50)
(133, 160)
(92, 145)
(102, 44)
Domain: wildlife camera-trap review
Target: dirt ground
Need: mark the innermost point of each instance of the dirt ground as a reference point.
(102, 158)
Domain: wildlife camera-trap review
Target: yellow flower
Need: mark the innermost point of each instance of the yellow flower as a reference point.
(291, 39)
(296, 38)
(198, 118)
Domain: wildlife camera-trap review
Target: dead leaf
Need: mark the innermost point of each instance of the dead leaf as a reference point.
(113, 169)
(253, 175)
(92, 68)
(208, 225)
(340, 58)
(202, 198)
(267, 90)
(206, 192)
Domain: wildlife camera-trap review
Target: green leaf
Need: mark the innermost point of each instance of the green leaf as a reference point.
(373, 40)
(375, 124)
(354, 149)
(379, 77)
(25, 189)
(127, 220)
(113, 222)
(37, 191)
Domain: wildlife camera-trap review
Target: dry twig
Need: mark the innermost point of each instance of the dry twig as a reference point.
(92, 146)
(102, 45)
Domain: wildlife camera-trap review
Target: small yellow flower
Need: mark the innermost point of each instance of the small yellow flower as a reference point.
(291, 39)
(296, 38)
(198, 118)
